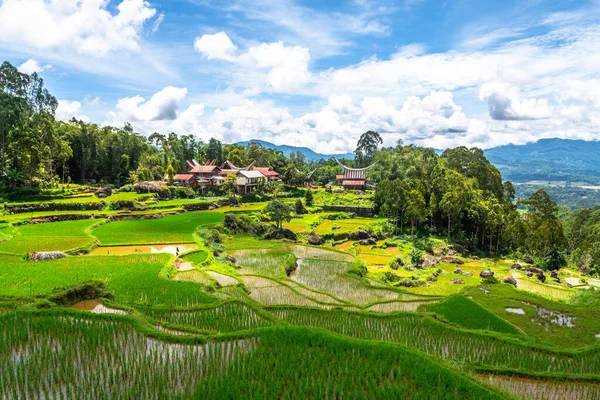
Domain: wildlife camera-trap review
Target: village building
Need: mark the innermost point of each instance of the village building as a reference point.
(352, 178)
(209, 174)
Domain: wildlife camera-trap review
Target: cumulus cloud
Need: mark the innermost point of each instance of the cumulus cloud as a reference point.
(286, 66)
(30, 66)
(87, 27)
(161, 106)
(505, 103)
(216, 46)
(68, 110)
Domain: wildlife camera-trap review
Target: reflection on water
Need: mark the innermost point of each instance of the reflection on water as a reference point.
(515, 310)
(155, 248)
(96, 307)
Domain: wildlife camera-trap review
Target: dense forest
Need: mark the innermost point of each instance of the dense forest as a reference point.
(459, 193)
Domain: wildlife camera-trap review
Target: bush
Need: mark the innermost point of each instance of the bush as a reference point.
(308, 197)
(415, 256)
(390, 277)
(291, 263)
(490, 280)
(359, 268)
(215, 236)
(184, 193)
(22, 208)
(126, 188)
(299, 207)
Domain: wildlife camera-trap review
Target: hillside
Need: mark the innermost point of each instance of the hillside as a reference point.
(549, 160)
(310, 154)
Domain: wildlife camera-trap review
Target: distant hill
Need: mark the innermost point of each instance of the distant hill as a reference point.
(308, 153)
(576, 161)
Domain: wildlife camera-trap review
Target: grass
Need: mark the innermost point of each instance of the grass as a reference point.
(468, 314)
(131, 278)
(168, 229)
(56, 236)
(344, 225)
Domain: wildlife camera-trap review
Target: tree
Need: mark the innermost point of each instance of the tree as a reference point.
(299, 207)
(433, 206)
(229, 184)
(214, 151)
(170, 175)
(279, 213)
(308, 197)
(366, 146)
(416, 210)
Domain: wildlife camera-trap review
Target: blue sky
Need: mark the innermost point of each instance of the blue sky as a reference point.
(315, 73)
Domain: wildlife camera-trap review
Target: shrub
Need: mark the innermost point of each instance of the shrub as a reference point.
(299, 207)
(390, 277)
(308, 198)
(359, 268)
(215, 236)
(490, 280)
(415, 256)
(291, 263)
(31, 207)
(126, 188)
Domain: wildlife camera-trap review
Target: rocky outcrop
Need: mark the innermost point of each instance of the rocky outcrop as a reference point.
(361, 235)
(528, 260)
(230, 259)
(510, 280)
(368, 242)
(458, 271)
(516, 266)
(103, 192)
(452, 260)
(534, 270)
(458, 281)
(428, 261)
(468, 273)
(486, 273)
(47, 255)
(314, 239)
(281, 234)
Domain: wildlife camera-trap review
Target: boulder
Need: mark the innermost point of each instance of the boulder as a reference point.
(557, 280)
(528, 260)
(458, 281)
(452, 260)
(458, 271)
(361, 234)
(529, 274)
(407, 283)
(585, 270)
(451, 252)
(468, 273)
(281, 234)
(428, 261)
(486, 273)
(410, 268)
(510, 280)
(516, 266)
(47, 255)
(368, 242)
(554, 274)
(541, 277)
(476, 258)
(230, 259)
(215, 253)
(103, 192)
(314, 239)
(534, 270)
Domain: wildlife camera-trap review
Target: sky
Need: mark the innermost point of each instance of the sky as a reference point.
(318, 73)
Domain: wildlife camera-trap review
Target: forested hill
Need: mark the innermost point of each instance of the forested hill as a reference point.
(549, 160)
(309, 154)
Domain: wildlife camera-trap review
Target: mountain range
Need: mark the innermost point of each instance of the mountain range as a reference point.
(575, 161)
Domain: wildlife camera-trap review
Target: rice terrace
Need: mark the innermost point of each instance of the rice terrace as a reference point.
(293, 199)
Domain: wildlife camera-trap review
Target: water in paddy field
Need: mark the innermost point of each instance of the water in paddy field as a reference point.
(155, 248)
(96, 307)
(515, 310)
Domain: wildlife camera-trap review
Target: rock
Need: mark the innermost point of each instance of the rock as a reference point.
(451, 252)
(528, 260)
(428, 261)
(468, 273)
(534, 270)
(407, 283)
(458, 281)
(585, 270)
(238, 267)
(230, 259)
(554, 274)
(410, 268)
(103, 192)
(368, 242)
(314, 239)
(458, 271)
(510, 280)
(362, 234)
(529, 274)
(476, 258)
(486, 273)
(215, 253)
(452, 260)
(47, 255)
(211, 207)
(516, 266)
(281, 234)
(432, 278)
(444, 272)
(557, 280)
(541, 277)
(391, 244)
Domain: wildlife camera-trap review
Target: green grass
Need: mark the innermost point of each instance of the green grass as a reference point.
(168, 229)
(55, 236)
(344, 225)
(468, 314)
(131, 278)
(196, 257)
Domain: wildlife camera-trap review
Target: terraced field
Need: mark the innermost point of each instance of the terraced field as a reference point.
(229, 315)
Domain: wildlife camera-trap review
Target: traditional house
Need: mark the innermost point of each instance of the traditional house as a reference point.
(352, 178)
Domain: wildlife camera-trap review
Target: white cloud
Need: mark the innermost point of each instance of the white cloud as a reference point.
(505, 103)
(157, 22)
(285, 67)
(87, 27)
(216, 46)
(67, 110)
(161, 106)
(30, 66)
